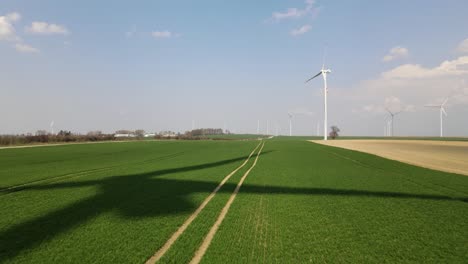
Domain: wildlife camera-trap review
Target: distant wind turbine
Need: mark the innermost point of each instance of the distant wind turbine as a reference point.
(324, 73)
(392, 115)
(441, 111)
(52, 127)
(258, 127)
(290, 123)
(387, 127)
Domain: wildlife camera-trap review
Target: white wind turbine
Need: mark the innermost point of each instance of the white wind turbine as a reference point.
(52, 127)
(324, 73)
(388, 122)
(290, 123)
(392, 115)
(441, 111)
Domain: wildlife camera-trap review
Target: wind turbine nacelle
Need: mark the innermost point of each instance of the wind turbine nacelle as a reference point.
(326, 71)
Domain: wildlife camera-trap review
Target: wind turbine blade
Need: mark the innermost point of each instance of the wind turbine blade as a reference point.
(443, 111)
(315, 76)
(323, 58)
(388, 111)
(446, 99)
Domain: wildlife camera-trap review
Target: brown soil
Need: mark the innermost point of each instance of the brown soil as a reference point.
(449, 156)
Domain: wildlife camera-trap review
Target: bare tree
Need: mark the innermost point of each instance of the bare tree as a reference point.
(140, 133)
(94, 133)
(334, 132)
(41, 133)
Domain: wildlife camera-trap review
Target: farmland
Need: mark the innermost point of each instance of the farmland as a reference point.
(302, 202)
(320, 204)
(113, 202)
(450, 156)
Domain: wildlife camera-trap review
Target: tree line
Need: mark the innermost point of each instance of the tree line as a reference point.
(63, 136)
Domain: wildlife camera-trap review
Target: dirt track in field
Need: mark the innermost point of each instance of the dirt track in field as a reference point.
(209, 237)
(160, 253)
(449, 156)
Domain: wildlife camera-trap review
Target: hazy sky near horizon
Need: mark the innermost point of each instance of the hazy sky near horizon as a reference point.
(158, 65)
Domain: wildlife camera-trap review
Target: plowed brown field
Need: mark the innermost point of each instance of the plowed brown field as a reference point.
(449, 156)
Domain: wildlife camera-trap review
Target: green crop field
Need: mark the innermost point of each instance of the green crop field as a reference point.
(302, 202)
(104, 203)
(233, 136)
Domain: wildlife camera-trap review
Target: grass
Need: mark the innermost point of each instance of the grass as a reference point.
(106, 203)
(303, 202)
(233, 136)
(306, 202)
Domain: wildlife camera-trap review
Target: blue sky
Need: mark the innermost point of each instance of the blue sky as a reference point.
(159, 65)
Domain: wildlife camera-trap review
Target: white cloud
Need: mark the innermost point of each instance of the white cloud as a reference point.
(289, 13)
(463, 46)
(414, 84)
(295, 12)
(8, 33)
(13, 17)
(455, 67)
(405, 88)
(396, 53)
(7, 30)
(24, 48)
(301, 30)
(164, 34)
(44, 28)
(392, 103)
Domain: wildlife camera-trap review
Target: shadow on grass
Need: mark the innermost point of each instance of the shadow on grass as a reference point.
(145, 195)
(132, 196)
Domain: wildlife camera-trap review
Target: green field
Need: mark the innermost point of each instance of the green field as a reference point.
(303, 202)
(233, 136)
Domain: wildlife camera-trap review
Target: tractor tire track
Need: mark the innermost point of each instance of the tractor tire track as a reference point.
(209, 237)
(160, 253)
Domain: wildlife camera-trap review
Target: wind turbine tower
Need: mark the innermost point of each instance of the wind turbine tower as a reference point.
(324, 73)
(392, 115)
(290, 123)
(441, 111)
(52, 127)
